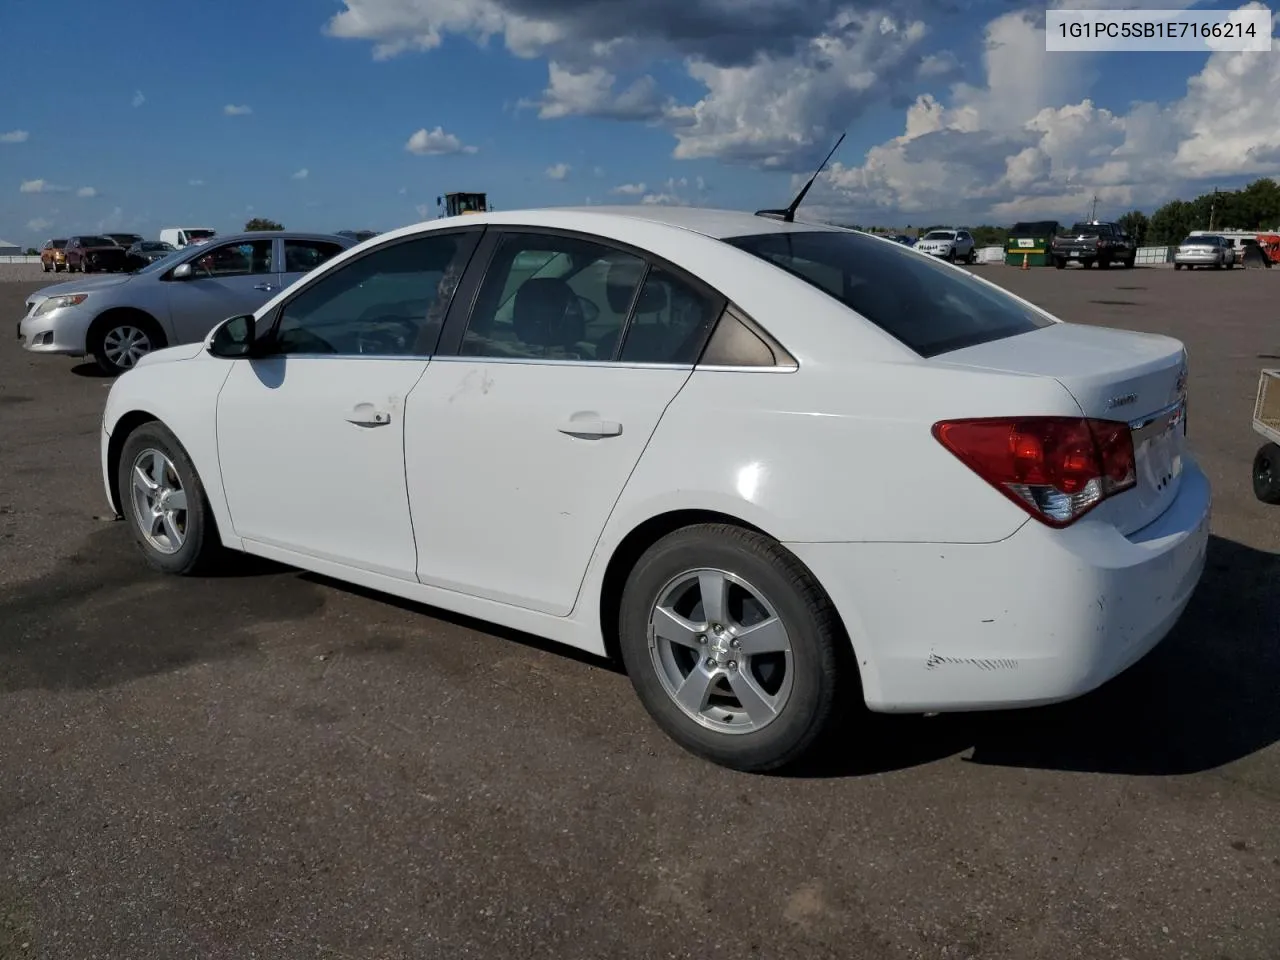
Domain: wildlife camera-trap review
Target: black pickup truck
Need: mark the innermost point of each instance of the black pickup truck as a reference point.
(1098, 242)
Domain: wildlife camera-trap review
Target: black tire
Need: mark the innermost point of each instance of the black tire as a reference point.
(1266, 473)
(1060, 263)
(821, 673)
(972, 257)
(85, 267)
(1104, 264)
(201, 547)
(1177, 266)
(1128, 264)
(101, 339)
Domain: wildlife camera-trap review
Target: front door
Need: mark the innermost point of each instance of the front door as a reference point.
(518, 446)
(226, 279)
(311, 435)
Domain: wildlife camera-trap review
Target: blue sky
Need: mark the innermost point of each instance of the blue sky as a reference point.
(954, 111)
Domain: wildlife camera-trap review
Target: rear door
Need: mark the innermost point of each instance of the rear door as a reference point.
(527, 423)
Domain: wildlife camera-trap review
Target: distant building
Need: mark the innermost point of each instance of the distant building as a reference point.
(9, 249)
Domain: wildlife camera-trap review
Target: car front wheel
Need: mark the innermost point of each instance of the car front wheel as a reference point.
(118, 344)
(732, 646)
(164, 503)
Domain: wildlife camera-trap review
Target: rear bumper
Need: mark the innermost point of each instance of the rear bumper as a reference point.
(1197, 259)
(1042, 616)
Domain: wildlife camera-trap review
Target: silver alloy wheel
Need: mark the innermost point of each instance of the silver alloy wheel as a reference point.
(125, 345)
(721, 651)
(159, 502)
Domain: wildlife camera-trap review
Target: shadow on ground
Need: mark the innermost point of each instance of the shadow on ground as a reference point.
(1205, 697)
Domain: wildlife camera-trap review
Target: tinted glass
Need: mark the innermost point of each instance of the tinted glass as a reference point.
(199, 234)
(300, 256)
(390, 302)
(244, 258)
(97, 242)
(557, 298)
(928, 306)
(59, 244)
(670, 323)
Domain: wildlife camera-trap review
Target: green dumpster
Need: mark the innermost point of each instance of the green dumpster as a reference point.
(1030, 241)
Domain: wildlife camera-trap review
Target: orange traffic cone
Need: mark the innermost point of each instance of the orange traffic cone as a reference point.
(1025, 265)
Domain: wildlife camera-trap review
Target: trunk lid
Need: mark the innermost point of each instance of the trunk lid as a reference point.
(1137, 378)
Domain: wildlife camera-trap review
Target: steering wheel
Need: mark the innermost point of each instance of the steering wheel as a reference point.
(390, 335)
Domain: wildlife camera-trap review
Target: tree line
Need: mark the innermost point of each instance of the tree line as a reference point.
(1254, 207)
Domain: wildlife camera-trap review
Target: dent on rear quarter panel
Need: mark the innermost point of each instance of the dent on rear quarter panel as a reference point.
(183, 396)
(837, 453)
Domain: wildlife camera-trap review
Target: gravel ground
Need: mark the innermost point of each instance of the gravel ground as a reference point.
(26, 273)
(274, 765)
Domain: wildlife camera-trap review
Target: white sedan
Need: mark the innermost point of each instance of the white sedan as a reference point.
(776, 468)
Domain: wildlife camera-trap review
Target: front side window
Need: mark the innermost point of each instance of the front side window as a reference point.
(241, 259)
(555, 298)
(390, 302)
(928, 306)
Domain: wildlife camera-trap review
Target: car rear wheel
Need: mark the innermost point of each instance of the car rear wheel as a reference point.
(1266, 473)
(1060, 263)
(732, 646)
(118, 344)
(164, 502)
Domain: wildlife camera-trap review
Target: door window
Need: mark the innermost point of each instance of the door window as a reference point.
(555, 298)
(302, 256)
(670, 322)
(390, 302)
(243, 258)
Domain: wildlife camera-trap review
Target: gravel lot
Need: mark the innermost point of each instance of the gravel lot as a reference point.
(274, 765)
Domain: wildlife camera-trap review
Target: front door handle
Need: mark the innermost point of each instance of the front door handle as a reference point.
(264, 286)
(367, 415)
(591, 428)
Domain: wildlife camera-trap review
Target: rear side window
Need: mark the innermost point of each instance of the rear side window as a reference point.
(928, 306)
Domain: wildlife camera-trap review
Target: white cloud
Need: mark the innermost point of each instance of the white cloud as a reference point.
(430, 143)
(138, 98)
(112, 221)
(39, 224)
(232, 110)
(423, 210)
(1030, 142)
(41, 186)
(629, 189)
(591, 93)
(403, 191)
(195, 183)
(301, 174)
(86, 192)
(558, 171)
(677, 192)
(597, 171)
(14, 136)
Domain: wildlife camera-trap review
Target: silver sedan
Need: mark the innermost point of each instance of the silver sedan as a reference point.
(1204, 251)
(119, 319)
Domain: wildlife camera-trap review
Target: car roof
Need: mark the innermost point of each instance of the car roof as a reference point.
(717, 224)
(287, 234)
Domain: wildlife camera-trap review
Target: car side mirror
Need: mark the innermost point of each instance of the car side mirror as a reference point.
(234, 337)
(181, 272)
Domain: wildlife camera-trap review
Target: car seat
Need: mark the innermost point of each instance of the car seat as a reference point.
(546, 314)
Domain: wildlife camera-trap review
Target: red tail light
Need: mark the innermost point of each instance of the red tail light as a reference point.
(1055, 468)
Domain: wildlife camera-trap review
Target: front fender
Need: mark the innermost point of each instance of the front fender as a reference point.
(182, 395)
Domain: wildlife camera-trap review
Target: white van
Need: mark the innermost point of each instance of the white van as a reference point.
(187, 236)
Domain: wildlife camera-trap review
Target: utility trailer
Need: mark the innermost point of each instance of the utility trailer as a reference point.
(1266, 421)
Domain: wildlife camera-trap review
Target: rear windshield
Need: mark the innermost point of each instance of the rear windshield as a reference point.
(928, 306)
(1085, 229)
(1201, 241)
(199, 234)
(97, 242)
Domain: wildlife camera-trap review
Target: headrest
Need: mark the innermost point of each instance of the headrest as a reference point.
(541, 313)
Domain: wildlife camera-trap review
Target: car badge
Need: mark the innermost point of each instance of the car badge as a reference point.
(1122, 401)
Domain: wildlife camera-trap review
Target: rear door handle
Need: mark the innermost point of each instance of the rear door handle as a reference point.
(263, 286)
(367, 415)
(591, 428)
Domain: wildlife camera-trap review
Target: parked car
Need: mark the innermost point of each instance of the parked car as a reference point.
(1097, 241)
(147, 251)
(186, 236)
(53, 256)
(125, 240)
(1204, 250)
(360, 236)
(175, 300)
(93, 253)
(950, 245)
(777, 468)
